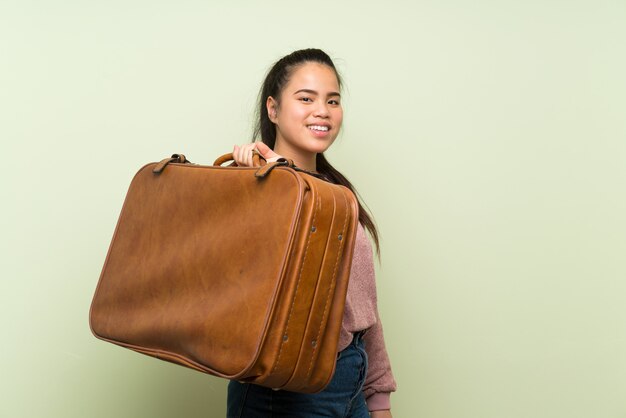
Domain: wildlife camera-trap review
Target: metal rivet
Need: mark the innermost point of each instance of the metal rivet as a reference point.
(314, 343)
(339, 237)
(285, 337)
(313, 229)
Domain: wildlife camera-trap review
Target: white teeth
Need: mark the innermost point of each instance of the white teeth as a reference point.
(318, 128)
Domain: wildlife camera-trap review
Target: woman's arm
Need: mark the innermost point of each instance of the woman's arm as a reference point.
(379, 382)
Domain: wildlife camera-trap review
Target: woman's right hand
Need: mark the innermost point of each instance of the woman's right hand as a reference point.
(243, 154)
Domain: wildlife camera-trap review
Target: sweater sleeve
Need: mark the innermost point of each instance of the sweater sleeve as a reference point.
(379, 382)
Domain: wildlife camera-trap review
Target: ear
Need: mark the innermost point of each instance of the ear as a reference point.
(272, 108)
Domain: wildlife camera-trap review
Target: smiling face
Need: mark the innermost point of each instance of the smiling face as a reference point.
(308, 115)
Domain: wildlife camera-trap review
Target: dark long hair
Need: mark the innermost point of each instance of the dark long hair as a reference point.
(275, 81)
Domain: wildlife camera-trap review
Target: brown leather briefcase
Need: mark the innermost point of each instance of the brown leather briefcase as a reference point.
(239, 272)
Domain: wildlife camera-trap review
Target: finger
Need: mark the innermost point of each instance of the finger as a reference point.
(263, 149)
(267, 152)
(248, 155)
(241, 156)
(252, 151)
(235, 154)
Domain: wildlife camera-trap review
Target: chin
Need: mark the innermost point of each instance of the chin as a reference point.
(320, 146)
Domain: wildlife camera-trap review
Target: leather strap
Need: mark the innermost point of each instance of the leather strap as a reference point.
(175, 158)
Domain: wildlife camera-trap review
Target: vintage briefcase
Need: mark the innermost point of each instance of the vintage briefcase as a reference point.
(239, 272)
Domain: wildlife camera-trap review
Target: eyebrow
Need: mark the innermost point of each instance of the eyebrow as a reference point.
(332, 93)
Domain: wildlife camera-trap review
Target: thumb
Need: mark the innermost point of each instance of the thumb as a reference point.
(267, 152)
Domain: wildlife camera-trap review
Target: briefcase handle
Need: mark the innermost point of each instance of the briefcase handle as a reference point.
(264, 166)
(257, 160)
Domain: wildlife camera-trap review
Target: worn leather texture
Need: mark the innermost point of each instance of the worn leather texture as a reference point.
(239, 272)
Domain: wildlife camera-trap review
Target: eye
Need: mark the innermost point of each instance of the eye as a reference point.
(334, 102)
(306, 99)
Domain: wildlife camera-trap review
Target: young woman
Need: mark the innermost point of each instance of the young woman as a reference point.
(300, 116)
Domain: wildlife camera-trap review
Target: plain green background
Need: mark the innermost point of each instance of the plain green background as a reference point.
(488, 138)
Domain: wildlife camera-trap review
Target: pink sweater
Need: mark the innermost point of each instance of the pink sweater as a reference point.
(361, 312)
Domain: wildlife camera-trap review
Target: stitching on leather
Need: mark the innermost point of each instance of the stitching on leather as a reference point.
(280, 351)
(345, 222)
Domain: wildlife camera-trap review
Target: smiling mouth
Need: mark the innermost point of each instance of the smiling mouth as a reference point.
(319, 128)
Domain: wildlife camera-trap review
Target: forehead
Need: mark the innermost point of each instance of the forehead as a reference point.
(313, 76)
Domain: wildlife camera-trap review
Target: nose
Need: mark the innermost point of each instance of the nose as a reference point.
(321, 110)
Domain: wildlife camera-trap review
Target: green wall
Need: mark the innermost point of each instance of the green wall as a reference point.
(487, 137)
